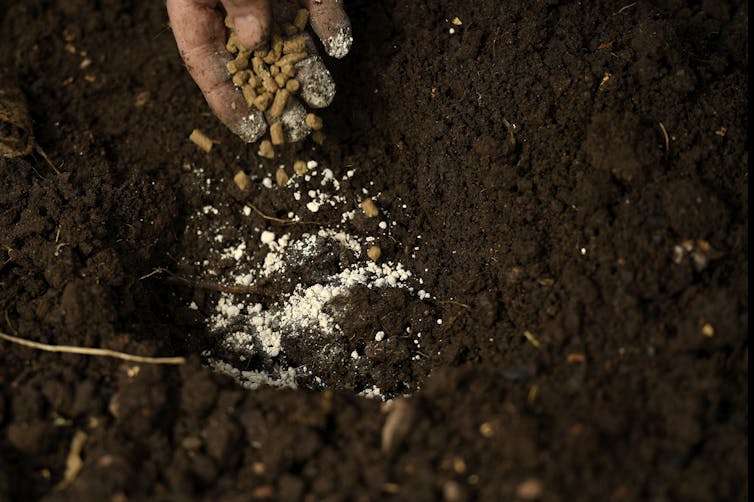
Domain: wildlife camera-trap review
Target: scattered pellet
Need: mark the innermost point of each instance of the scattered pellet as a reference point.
(281, 177)
(274, 70)
(314, 121)
(242, 180)
(201, 140)
(369, 208)
(288, 70)
(276, 133)
(292, 86)
(278, 105)
(531, 489)
(266, 150)
(299, 167)
(302, 17)
(374, 253)
(318, 137)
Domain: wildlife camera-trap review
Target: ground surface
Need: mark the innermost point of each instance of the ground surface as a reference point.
(621, 252)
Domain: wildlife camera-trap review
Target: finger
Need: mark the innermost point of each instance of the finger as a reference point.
(317, 85)
(200, 35)
(251, 20)
(331, 24)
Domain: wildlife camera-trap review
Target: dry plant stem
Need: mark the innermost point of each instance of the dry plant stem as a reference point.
(209, 286)
(282, 221)
(89, 351)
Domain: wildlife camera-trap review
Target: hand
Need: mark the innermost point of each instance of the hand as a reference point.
(199, 29)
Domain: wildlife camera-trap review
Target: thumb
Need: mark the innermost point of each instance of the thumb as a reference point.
(251, 20)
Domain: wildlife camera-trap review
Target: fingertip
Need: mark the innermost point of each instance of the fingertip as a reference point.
(331, 24)
(250, 127)
(251, 31)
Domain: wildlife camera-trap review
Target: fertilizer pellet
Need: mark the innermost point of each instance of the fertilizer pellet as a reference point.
(249, 94)
(314, 121)
(201, 140)
(292, 86)
(266, 150)
(278, 105)
(263, 101)
(242, 180)
(369, 208)
(276, 133)
(281, 79)
(299, 167)
(281, 177)
(297, 44)
(374, 253)
(318, 137)
(302, 17)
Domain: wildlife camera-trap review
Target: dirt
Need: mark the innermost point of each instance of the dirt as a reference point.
(612, 230)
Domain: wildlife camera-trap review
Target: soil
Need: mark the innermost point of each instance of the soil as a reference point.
(573, 174)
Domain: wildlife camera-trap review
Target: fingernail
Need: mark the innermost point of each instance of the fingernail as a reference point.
(340, 43)
(250, 32)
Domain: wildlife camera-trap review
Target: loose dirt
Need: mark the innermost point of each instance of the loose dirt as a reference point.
(565, 182)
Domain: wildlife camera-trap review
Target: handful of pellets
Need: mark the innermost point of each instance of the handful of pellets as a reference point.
(267, 78)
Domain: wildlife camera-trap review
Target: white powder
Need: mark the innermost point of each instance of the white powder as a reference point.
(267, 237)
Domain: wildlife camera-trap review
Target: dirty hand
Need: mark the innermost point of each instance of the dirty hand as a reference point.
(200, 32)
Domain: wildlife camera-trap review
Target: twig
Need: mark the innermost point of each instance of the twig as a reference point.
(88, 351)
(667, 139)
(625, 7)
(282, 221)
(453, 302)
(41, 152)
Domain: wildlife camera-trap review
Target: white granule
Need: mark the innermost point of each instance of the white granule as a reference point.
(246, 211)
(267, 182)
(439, 321)
(312, 206)
(267, 237)
(354, 355)
(383, 225)
(372, 392)
(379, 336)
(311, 164)
(297, 195)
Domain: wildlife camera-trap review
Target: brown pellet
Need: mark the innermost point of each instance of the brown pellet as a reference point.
(263, 101)
(228, 22)
(374, 253)
(369, 208)
(249, 94)
(291, 58)
(281, 80)
(254, 80)
(281, 177)
(279, 103)
(241, 62)
(276, 133)
(297, 44)
(288, 70)
(274, 70)
(242, 180)
(299, 167)
(318, 137)
(277, 46)
(302, 17)
(289, 29)
(266, 150)
(314, 121)
(201, 140)
(292, 86)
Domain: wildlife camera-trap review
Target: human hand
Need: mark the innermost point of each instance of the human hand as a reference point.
(201, 35)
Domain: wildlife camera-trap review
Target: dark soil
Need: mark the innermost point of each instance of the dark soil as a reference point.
(568, 224)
